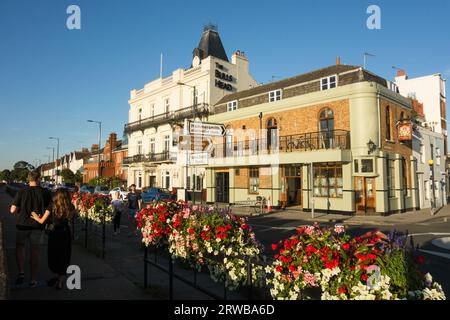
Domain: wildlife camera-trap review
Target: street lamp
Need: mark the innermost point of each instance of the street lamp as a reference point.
(99, 144)
(53, 159)
(433, 202)
(187, 132)
(57, 156)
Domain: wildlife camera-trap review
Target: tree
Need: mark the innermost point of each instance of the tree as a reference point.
(23, 165)
(5, 175)
(68, 176)
(78, 178)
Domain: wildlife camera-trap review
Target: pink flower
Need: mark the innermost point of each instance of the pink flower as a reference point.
(309, 279)
(309, 230)
(186, 213)
(339, 228)
(195, 207)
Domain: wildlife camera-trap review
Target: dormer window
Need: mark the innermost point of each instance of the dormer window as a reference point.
(232, 105)
(275, 95)
(328, 82)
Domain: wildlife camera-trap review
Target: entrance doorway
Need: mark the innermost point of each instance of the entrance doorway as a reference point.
(365, 194)
(293, 191)
(152, 181)
(291, 186)
(222, 187)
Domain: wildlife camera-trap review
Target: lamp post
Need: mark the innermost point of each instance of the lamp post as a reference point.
(187, 133)
(433, 202)
(57, 156)
(99, 145)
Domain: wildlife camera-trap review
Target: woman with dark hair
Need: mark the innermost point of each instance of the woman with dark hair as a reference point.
(60, 238)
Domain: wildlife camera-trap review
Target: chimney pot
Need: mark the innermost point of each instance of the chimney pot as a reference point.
(338, 60)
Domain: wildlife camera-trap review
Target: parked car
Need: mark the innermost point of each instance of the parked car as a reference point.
(151, 194)
(123, 193)
(87, 189)
(101, 190)
(68, 186)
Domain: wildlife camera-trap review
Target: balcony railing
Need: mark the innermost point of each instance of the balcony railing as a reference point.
(151, 157)
(199, 110)
(337, 139)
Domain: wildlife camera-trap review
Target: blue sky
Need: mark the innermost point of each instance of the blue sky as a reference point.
(53, 79)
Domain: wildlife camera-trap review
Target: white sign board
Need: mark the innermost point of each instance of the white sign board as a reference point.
(206, 128)
(198, 158)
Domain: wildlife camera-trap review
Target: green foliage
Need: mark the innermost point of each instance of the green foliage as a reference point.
(68, 176)
(400, 267)
(19, 174)
(110, 182)
(5, 175)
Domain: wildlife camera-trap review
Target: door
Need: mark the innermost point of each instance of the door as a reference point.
(152, 181)
(222, 187)
(365, 194)
(293, 191)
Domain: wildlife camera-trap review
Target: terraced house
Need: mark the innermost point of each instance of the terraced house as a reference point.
(338, 138)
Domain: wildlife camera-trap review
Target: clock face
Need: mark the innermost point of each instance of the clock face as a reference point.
(196, 61)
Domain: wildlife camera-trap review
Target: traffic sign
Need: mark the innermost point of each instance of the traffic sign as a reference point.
(198, 158)
(206, 128)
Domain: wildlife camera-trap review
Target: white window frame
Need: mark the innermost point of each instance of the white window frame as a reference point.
(152, 145)
(275, 95)
(422, 153)
(139, 147)
(166, 105)
(152, 109)
(328, 82)
(232, 105)
(166, 143)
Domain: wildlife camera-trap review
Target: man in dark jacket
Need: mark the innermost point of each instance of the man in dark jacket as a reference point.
(37, 199)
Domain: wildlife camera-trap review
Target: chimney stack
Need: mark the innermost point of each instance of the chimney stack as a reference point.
(338, 60)
(401, 73)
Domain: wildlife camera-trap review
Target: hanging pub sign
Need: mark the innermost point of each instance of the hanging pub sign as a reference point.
(405, 129)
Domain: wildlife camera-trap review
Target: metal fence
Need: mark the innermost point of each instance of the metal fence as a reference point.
(249, 288)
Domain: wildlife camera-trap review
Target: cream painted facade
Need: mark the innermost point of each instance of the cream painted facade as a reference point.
(164, 99)
(364, 104)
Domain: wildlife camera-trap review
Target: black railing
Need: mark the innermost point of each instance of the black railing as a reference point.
(337, 139)
(151, 157)
(198, 110)
(249, 285)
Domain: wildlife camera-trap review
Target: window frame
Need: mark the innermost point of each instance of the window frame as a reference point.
(253, 180)
(277, 95)
(322, 181)
(328, 82)
(233, 104)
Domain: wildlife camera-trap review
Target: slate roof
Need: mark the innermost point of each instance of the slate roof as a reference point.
(210, 45)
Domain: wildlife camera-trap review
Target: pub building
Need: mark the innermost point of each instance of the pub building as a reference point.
(338, 137)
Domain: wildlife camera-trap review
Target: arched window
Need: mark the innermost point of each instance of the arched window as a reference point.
(388, 123)
(326, 120)
(326, 128)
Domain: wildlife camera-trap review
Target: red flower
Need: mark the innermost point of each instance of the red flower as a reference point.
(364, 277)
(342, 290)
(279, 268)
(274, 247)
(420, 259)
(345, 246)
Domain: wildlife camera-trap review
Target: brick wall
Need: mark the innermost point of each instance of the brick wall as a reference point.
(298, 121)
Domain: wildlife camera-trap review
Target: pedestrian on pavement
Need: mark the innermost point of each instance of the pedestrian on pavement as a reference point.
(134, 205)
(118, 208)
(37, 199)
(60, 238)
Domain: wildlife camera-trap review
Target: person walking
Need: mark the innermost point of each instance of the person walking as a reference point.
(134, 205)
(33, 198)
(60, 238)
(118, 207)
